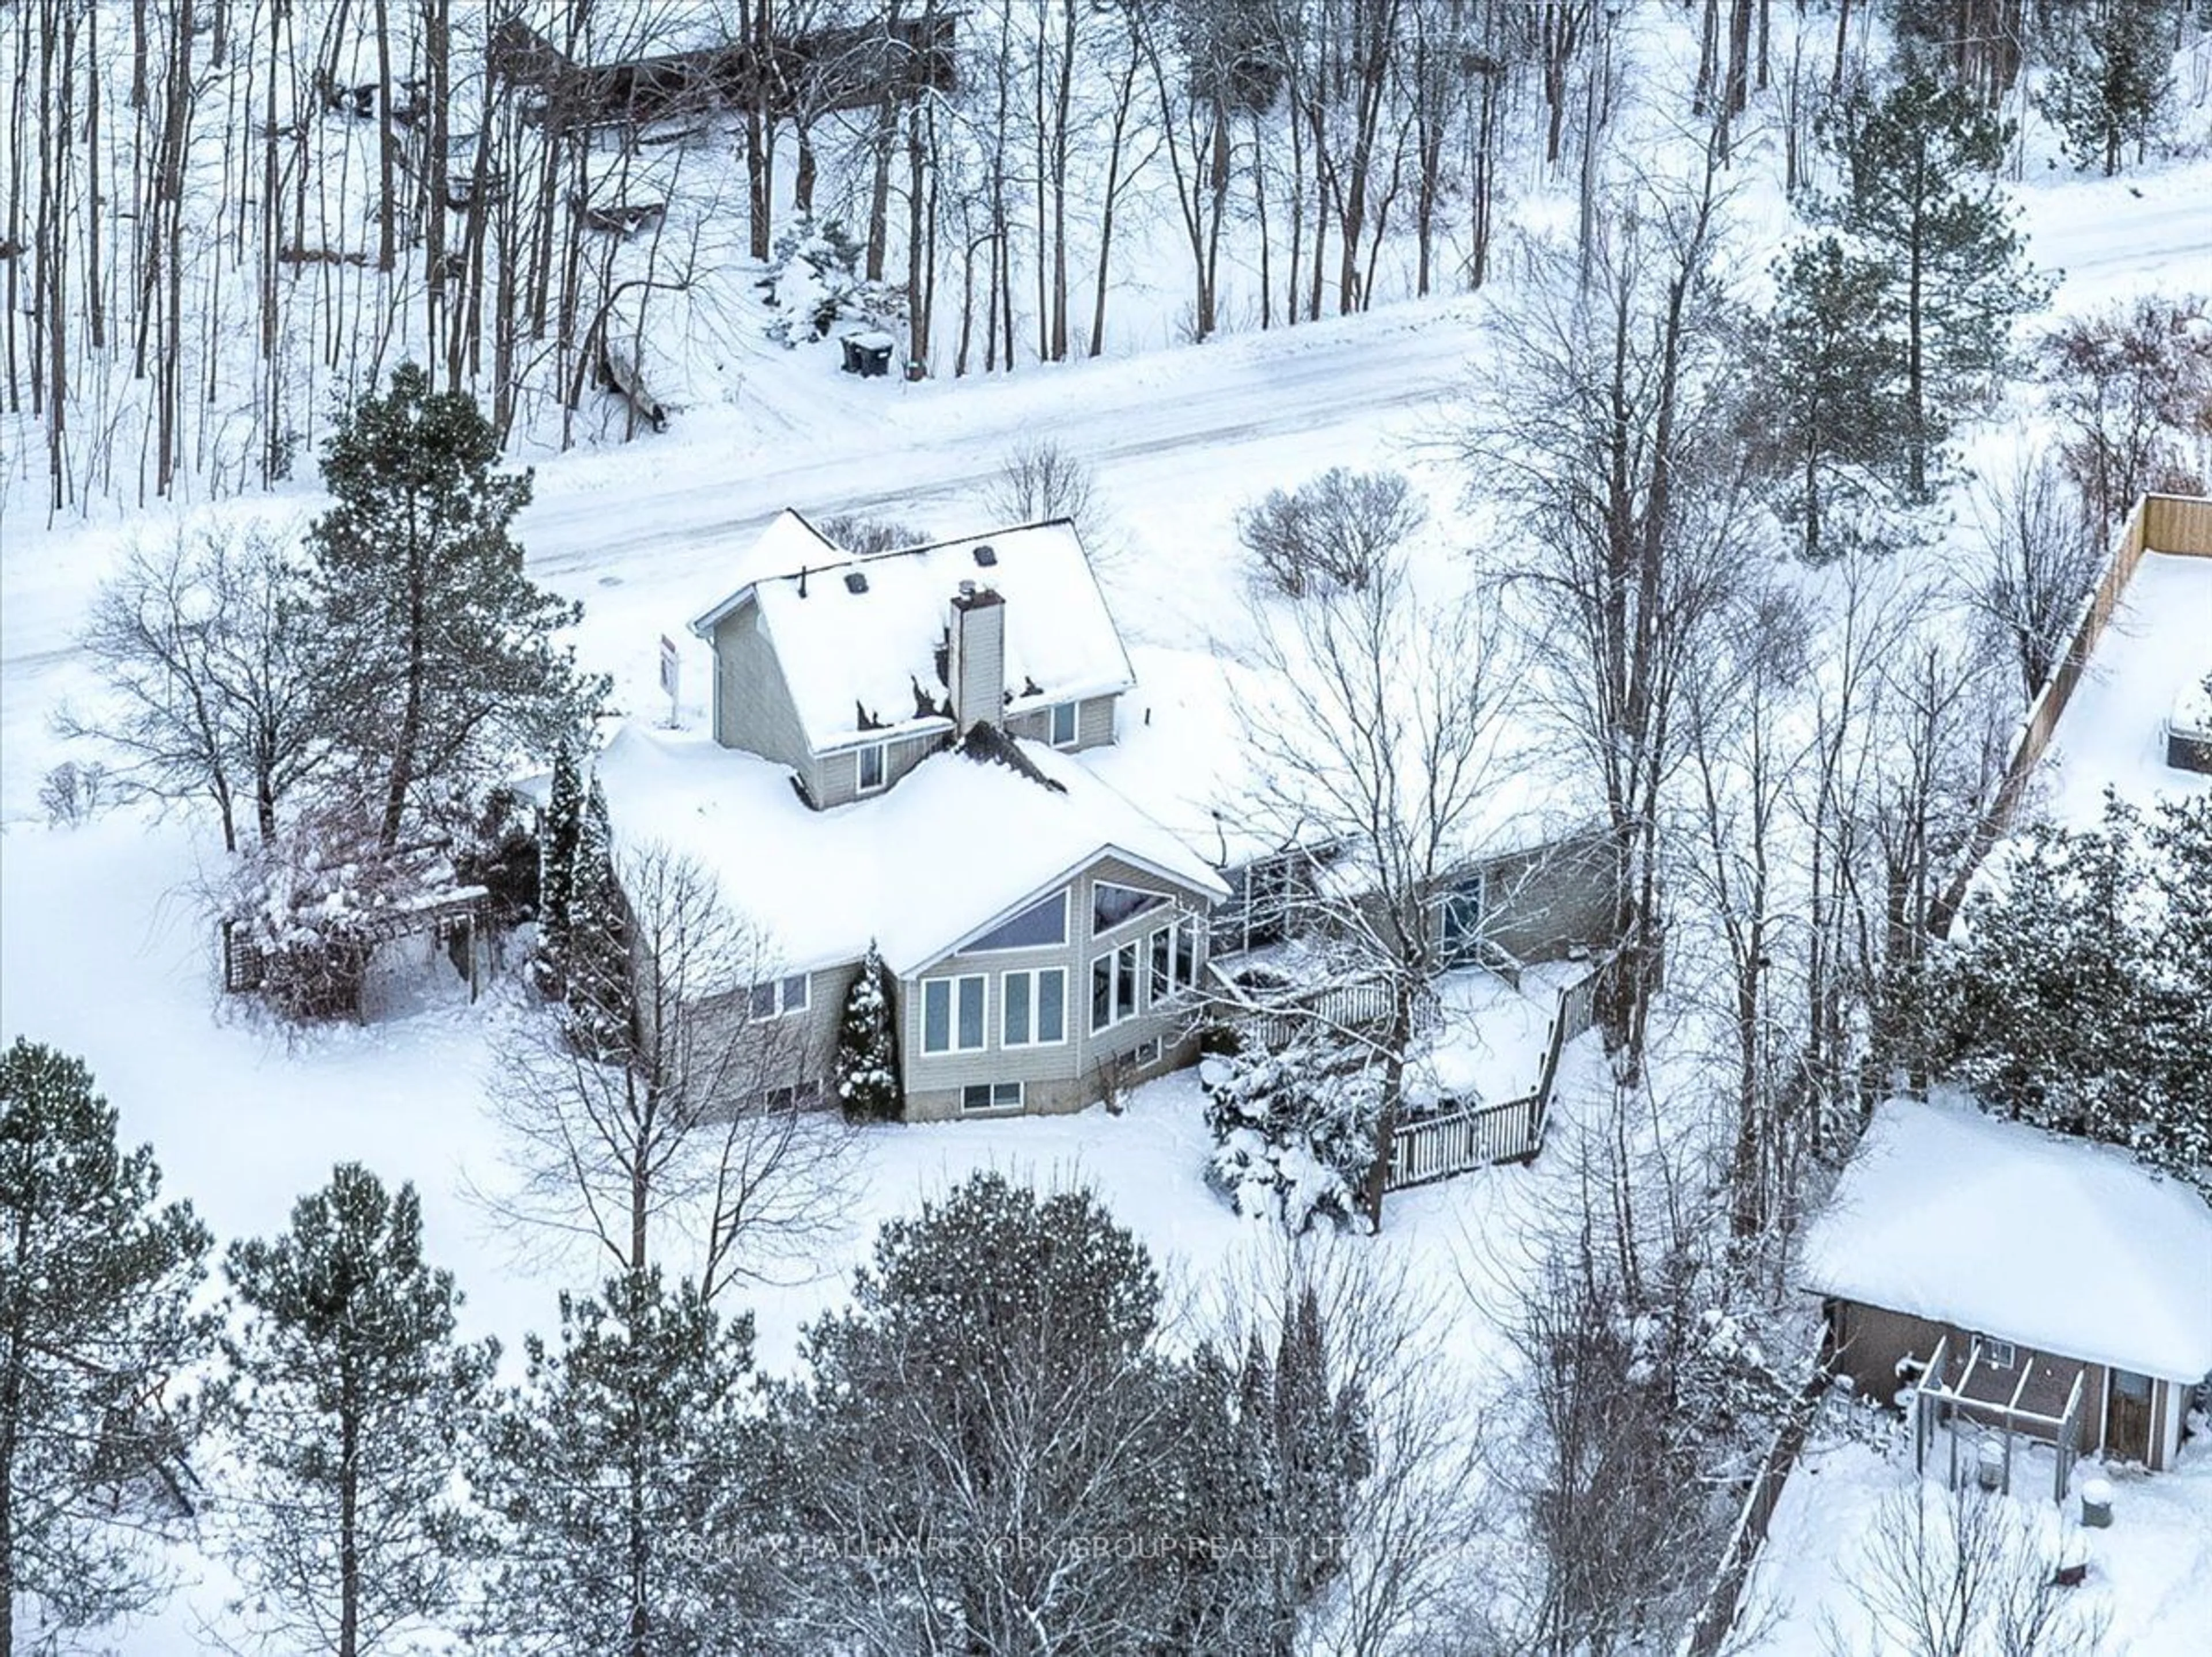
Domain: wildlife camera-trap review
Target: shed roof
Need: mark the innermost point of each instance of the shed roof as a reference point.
(855, 633)
(2068, 1247)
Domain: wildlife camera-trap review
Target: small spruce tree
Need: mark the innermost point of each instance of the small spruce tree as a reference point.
(867, 1047)
(556, 880)
(96, 1286)
(354, 1405)
(2106, 89)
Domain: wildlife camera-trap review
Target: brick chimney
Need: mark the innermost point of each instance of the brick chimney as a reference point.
(977, 678)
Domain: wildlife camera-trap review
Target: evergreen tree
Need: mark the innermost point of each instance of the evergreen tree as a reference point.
(95, 1286)
(867, 1046)
(2078, 995)
(354, 1405)
(1921, 204)
(596, 966)
(1835, 412)
(2107, 88)
(616, 1471)
(445, 644)
(556, 881)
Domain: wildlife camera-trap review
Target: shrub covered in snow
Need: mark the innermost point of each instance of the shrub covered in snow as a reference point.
(1294, 1131)
(2192, 709)
(813, 283)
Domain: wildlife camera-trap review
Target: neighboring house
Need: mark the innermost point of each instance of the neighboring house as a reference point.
(924, 750)
(2018, 1280)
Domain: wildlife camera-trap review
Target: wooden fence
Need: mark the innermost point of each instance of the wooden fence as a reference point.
(1716, 1617)
(2159, 523)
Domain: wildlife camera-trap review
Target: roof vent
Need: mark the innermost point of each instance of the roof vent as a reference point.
(986, 555)
(855, 581)
(967, 589)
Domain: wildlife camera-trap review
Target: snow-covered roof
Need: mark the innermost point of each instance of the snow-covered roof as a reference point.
(842, 650)
(2064, 1246)
(954, 844)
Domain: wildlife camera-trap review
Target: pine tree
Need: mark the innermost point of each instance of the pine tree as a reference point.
(445, 644)
(95, 1283)
(2107, 88)
(596, 967)
(868, 1069)
(1920, 203)
(556, 880)
(1835, 411)
(616, 1471)
(354, 1405)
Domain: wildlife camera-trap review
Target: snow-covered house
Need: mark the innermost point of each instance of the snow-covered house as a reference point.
(941, 751)
(891, 764)
(2015, 1279)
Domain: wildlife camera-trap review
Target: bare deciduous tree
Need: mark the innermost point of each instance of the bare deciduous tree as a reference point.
(1333, 532)
(213, 693)
(1039, 479)
(685, 1115)
(1609, 431)
(1950, 1573)
(1380, 724)
(2040, 559)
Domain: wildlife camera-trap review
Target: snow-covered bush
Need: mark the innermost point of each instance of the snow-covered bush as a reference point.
(1293, 1131)
(2192, 709)
(814, 282)
(867, 1047)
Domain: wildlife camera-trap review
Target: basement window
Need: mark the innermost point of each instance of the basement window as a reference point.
(991, 1096)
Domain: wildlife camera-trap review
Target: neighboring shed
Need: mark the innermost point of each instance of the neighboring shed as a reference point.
(2016, 1281)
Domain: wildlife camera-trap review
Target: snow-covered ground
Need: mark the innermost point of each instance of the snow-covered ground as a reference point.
(2112, 734)
(2150, 1574)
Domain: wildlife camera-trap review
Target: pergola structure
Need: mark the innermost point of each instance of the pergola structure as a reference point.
(1987, 1399)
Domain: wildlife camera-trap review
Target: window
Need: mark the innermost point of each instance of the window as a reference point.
(1063, 725)
(952, 1014)
(1033, 1008)
(2130, 1386)
(991, 1096)
(1146, 1053)
(1173, 954)
(1114, 987)
(872, 768)
(777, 997)
(1038, 924)
(1111, 905)
(1460, 922)
(1999, 1353)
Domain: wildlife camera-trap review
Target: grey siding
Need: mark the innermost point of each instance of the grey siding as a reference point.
(1094, 723)
(753, 709)
(1076, 1072)
(1541, 905)
(787, 1051)
(838, 773)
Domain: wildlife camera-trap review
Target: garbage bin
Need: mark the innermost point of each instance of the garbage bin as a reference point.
(869, 355)
(2097, 1504)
